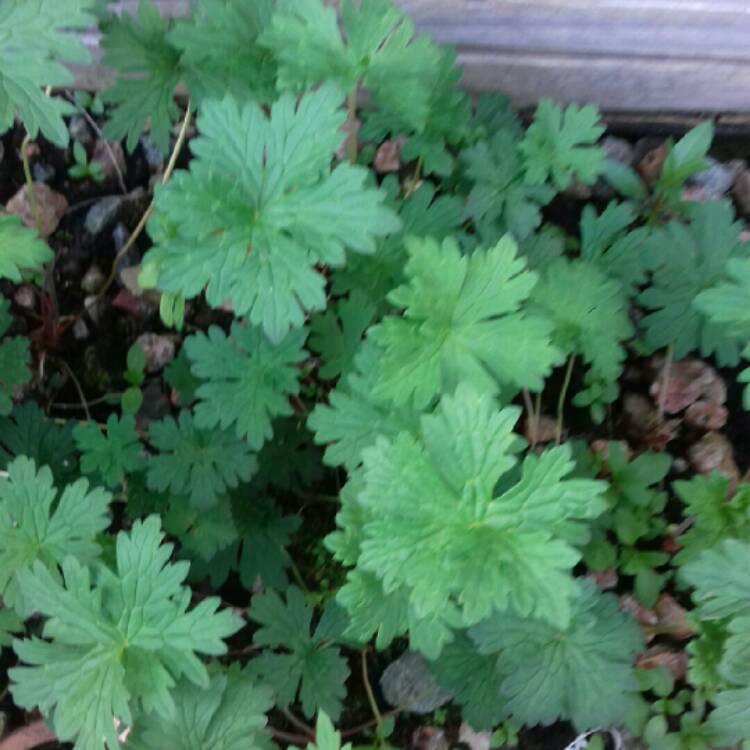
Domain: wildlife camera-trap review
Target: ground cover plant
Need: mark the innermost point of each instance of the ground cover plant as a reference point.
(412, 388)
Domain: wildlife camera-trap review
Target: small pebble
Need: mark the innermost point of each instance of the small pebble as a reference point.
(79, 130)
(103, 214)
(151, 153)
(25, 297)
(159, 350)
(43, 172)
(80, 330)
(94, 307)
(92, 280)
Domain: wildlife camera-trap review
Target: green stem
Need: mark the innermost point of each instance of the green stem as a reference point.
(147, 215)
(561, 399)
(351, 121)
(371, 700)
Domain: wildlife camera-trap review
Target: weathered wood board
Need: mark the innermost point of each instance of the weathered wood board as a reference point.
(685, 56)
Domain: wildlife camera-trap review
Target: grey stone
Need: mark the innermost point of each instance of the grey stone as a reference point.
(79, 130)
(94, 307)
(151, 153)
(25, 297)
(715, 181)
(103, 214)
(92, 280)
(43, 172)
(407, 683)
(80, 330)
(618, 149)
(158, 349)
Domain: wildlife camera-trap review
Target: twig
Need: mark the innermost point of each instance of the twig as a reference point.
(90, 120)
(76, 383)
(305, 728)
(371, 698)
(665, 373)
(92, 402)
(279, 734)
(125, 249)
(561, 398)
(367, 724)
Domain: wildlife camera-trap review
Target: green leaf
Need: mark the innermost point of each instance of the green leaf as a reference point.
(309, 664)
(474, 680)
(499, 193)
(27, 432)
(437, 527)
(623, 255)
(337, 333)
(590, 317)
(715, 516)
(179, 377)
(254, 216)
(247, 380)
(326, 737)
(136, 358)
(289, 461)
(21, 249)
(686, 157)
(377, 49)
(461, 315)
(15, 359)
(202, 535)
(33, 43)
(37, 525)
(226, 715)
(558, 145)
(219, 49)
(693, 258)
(201, 464)
(116, 645)
(10, 624)
(354, 416)
(131, 401)
(111, 454)
(136, 46)
(580, 670)
(624, 179)
(719, 577)
(422, 214)
(726, 304)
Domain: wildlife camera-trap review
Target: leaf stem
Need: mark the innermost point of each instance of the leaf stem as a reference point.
(530, 418)
(77, 384)
(561, 398)
(665, 374)
(147, 214)
(351, 123)
(371, 699)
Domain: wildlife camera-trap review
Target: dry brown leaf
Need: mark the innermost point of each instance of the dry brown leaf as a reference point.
(661, 656)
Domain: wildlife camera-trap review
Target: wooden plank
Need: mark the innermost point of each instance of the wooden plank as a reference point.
(625, 55)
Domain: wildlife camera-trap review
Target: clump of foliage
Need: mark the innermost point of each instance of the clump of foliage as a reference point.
(386, 336)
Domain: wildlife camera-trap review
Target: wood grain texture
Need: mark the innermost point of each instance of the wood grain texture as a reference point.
(624, 55)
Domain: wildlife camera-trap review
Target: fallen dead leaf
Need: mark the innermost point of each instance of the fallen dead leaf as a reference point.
(661, 656)
(649, 167)
(644, 424)
(713, 452)
(34, 734)
(605, 579)
(672, 620)
(688, 381)
(388, 156)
